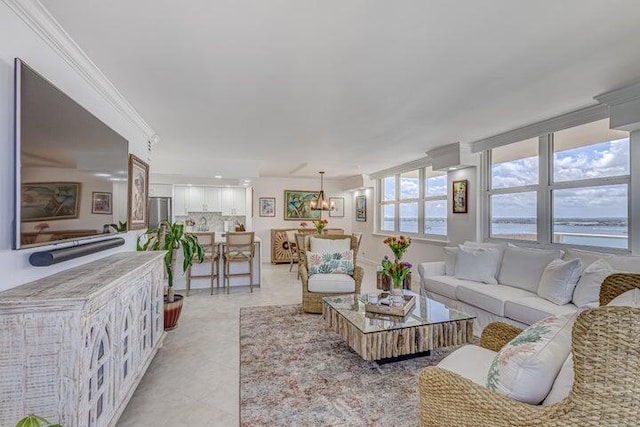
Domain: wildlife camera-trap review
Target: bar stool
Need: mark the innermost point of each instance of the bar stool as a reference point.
(211, 255)
(239, 248)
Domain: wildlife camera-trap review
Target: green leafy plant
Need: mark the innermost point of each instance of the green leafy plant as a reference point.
(169, 237)
(35, 421)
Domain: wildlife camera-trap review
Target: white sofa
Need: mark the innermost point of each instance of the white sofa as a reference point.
(515, 298)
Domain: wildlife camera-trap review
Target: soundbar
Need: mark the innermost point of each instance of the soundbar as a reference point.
(54, 256)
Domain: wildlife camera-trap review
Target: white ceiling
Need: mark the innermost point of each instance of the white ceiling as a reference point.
(291, 87)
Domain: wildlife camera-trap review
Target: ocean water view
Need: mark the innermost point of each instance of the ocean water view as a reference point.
(603, 232)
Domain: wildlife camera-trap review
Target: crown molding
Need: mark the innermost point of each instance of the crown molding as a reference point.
(620, 96)
(405, 167)
(38, 18)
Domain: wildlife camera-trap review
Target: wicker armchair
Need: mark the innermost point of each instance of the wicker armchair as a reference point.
(606, 389)
(312, 301)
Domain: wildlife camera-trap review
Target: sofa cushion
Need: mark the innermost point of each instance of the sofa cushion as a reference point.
(445, 285)
(328, 246)
(491, 298)
(450, 257)
(527, 366)
(531, 309)
(330, 263)
(559, 280)
(626, 264)
(324, 283)
(587, 257)
(523, 267)
(587, 292)
(477, 264)
(471, 362)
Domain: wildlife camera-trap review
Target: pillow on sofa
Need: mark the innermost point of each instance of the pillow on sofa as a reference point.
(559, 279)
(330, 263)
(479, 264)
(587, 257)
(523, 267)
(526, 368)
(484, 245)
(450, 257)
(587, 292)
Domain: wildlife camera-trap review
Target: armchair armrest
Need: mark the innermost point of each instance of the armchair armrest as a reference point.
(497, 334)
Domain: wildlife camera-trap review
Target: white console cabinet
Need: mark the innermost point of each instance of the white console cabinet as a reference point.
(74, 346)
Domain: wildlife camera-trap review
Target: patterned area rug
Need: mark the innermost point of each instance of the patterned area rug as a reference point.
(294, 371)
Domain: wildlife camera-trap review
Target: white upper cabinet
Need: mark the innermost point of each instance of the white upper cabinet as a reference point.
(196, 199)
(180, 200)
(160, 190)
(212, 199)
(233, 201)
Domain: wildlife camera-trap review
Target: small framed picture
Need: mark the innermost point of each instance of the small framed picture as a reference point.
(361, 208)
(138, 193)
(267, 206)
(460, 196)
(336, 204)
(101, 203)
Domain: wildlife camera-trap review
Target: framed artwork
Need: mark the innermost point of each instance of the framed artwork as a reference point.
(101, 203)
(267, 206)
(138, 193)
(48, 201)
(337, 206)
(297, 205)
(460, 196)
(361, 208)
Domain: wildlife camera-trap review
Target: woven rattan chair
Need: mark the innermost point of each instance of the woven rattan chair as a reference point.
(211, 256)
(606, 389)
(312, 301)
(239, 248)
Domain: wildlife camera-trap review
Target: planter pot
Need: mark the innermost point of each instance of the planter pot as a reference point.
(172, 312)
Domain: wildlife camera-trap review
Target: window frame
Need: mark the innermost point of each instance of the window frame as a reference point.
(398, 200)
(544, 189)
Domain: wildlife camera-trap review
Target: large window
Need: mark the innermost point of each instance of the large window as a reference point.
(568, 187)
(414, 202)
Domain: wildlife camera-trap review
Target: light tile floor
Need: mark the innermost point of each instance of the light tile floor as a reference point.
(194, 378)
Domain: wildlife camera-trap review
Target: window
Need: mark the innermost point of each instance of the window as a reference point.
(577, 179)
(414, 202)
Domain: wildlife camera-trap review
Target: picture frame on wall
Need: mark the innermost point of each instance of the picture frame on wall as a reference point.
(337, 207)
(361, 208)
(138, 193)
(297, 205)
(267, 206)
(101, 202)
(459, 194)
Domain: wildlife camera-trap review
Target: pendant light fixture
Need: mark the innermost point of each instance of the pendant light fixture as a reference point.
(320, 204)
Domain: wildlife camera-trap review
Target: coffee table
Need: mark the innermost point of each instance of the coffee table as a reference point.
(430, 325)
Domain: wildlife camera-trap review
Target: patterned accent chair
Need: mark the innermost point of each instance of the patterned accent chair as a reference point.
(606, 389)
(317, 286)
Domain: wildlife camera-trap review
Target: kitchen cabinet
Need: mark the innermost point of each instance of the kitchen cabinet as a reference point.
(233, 201)
(180, 200)
(204, 199)
(212, 199)
(160, 190)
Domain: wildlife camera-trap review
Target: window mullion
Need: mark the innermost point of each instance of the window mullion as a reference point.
(544, 207)
(396, 224)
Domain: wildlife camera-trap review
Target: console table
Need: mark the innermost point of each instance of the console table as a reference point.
(74, 346)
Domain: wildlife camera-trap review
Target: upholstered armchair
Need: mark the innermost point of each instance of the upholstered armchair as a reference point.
(317, 286)
(606, 390)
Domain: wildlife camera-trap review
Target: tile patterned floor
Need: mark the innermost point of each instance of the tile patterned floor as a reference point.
(194, 378)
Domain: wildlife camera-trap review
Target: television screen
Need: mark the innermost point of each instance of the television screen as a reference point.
(71, 168)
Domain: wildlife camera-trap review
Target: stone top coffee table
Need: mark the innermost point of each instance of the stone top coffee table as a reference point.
(430, 325)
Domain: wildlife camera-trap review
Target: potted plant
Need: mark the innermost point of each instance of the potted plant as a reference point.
(35, 421)
(170, 237)
(396, 274)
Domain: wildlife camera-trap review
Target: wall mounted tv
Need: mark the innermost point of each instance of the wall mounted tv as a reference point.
(71, 168)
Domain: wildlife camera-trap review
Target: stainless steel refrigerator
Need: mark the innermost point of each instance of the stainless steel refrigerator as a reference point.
(159, 210)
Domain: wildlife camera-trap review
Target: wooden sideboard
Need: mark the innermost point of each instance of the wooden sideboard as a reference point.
(280, 244)
(74, 346)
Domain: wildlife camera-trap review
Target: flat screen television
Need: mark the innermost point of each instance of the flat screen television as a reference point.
(71, 168)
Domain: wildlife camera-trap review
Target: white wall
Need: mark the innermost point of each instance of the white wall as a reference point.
(274, 187)
(18, 40)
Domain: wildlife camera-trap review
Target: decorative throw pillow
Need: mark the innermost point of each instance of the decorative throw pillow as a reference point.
(562, 385)
(450, 257)
(588, 288)
(329, 263)
(559, 280)
(484, 245)
(527, 366)
(523, 267)
(630, 298)
(478, 264)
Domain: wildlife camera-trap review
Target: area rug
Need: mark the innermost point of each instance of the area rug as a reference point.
(294, 371)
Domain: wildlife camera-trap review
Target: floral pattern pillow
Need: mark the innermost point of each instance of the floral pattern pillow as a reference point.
(338, 262)
(527, 366)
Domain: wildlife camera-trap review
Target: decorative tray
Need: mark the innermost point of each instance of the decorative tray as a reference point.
(409, 302)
